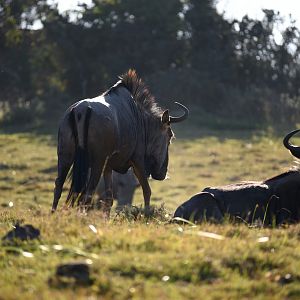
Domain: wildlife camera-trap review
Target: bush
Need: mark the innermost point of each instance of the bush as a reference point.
(22, 113)
(252, 105)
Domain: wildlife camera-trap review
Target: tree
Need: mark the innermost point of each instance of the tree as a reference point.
(211, 41)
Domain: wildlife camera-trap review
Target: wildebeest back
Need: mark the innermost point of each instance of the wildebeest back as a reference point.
(242, 198)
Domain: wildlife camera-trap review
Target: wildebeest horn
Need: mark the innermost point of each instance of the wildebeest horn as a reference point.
(181, 118)
(295, 150)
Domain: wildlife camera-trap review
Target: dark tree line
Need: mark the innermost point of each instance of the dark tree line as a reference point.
(183, 48)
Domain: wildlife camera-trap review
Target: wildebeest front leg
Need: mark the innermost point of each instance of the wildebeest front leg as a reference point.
(143, 180)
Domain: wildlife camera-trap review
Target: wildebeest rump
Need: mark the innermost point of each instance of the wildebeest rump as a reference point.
(273, 200)
(124, 186)
(122, 128)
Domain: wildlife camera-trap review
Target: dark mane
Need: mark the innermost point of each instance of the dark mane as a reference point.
(140, 92)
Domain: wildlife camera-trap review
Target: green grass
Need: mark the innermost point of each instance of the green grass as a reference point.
(149, 259)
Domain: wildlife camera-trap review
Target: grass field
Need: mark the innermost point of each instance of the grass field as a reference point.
(149, 259)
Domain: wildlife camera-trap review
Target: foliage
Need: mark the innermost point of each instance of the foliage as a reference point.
(185, 47)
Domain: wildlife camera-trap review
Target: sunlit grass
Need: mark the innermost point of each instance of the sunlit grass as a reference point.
(133, 257)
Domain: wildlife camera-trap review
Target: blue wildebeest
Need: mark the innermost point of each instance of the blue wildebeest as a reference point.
(273, 200)
(122, 128)
(124, 186)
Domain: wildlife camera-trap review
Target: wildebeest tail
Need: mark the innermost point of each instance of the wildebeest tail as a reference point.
(80, 168)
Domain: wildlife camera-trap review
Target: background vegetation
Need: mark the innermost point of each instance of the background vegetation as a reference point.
(185, 50)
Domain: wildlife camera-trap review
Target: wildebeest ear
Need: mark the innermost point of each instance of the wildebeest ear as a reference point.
(165, 118)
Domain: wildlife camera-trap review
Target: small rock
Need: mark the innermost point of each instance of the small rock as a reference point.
(78, 271)
(287, 278)
(25, 232)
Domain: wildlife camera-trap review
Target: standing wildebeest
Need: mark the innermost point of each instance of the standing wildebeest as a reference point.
(124, 186)
(275, 199)
(120, 129)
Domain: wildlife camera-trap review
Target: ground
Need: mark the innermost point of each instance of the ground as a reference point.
(134, 258)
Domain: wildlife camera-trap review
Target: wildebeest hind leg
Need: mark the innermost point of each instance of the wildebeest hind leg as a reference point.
(108, 200)
(96, 171)
(64, 164)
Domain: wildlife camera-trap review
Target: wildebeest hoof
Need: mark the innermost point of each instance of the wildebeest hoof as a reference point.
(106, 212)
(105, 206)
(148, 211)
(25, 232)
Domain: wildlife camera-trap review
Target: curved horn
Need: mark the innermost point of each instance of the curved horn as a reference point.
(295, 150)
(181, 118)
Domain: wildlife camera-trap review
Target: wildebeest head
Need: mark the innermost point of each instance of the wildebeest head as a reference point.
(158, 151)
(295, 150)
(156, 126)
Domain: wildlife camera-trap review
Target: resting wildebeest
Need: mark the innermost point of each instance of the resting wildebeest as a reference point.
(122, 128)
(273, 200)
(124, 186)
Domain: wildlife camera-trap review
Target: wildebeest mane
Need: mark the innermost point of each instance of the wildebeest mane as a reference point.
(139, 91)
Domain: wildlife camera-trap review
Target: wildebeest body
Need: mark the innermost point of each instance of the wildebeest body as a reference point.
(235, 199)
(112, 130)
(241, 199)
(273, 200)
(120, 129)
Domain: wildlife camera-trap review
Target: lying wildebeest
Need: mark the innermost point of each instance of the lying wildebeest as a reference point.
(124, 186)
(274, 200)
(122, 128)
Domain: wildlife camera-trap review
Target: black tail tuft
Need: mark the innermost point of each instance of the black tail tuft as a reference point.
(80, 169)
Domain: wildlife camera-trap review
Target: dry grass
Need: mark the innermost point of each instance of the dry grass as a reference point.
(134, 258)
